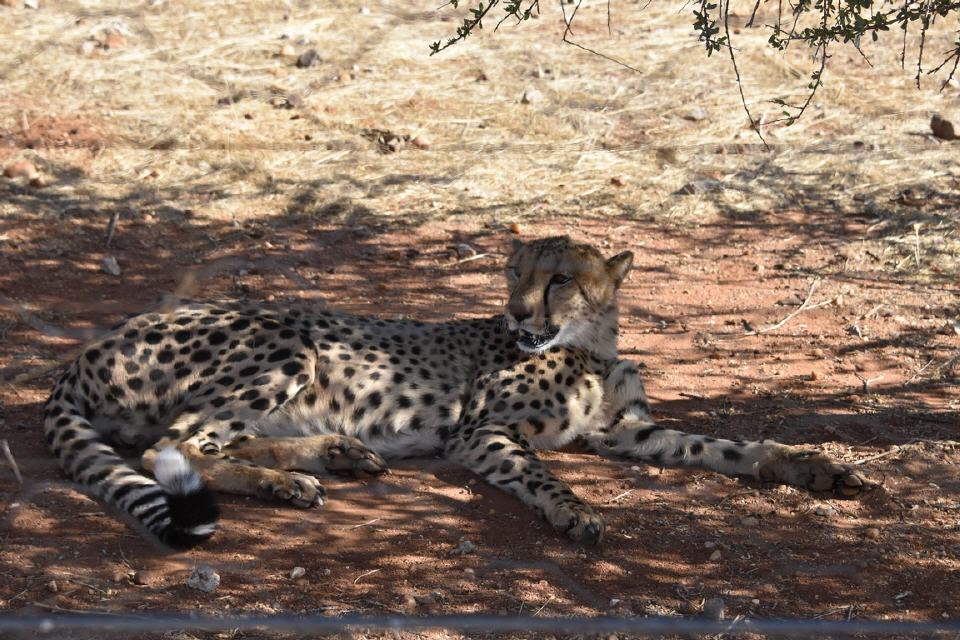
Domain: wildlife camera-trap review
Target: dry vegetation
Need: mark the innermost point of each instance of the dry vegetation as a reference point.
(191, 126)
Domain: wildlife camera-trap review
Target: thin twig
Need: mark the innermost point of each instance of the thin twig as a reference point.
(736, 70)
(479, 256)
(362, 524)
(364, 575)
(5, 447)
(886, 454)
(805, 306)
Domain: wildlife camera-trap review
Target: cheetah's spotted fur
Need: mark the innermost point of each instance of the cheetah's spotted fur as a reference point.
(260, 399)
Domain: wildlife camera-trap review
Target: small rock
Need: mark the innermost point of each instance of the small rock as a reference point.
(53, 587)
(942, 129)
(749, 521)
(755, 601)
(716, 555)
(871, 533)
(465, 547)
(31, 4)
(696, 114)
(698, 187)
(114, 40)
(709, 544)
(141, 578)
(951, 327)
(110, 266)
(308, 58)
(812, 376)
(21, 169)
(615, 601)
(514, 228)
(327, 572)
(531, 96)
(204, 578)
(37, 183)
(429, 598)
(714, 609)
(88, 47)
(465, 251)
(420, 141)
(287, 51)
(824, 510)
(297, 572)
(618, 181)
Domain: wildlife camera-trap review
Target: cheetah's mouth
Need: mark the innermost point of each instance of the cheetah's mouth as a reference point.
(534, 342)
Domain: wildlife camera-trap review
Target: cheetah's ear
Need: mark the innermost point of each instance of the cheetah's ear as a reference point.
(516, 245)
(619, 265)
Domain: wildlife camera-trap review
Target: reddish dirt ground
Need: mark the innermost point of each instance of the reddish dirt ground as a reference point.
(674, 537)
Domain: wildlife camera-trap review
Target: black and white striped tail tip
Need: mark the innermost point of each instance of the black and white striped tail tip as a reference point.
(193, 510)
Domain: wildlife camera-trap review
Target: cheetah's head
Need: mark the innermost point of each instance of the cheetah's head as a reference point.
(564, 293)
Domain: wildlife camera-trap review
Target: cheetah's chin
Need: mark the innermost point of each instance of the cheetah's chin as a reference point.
(535, 343)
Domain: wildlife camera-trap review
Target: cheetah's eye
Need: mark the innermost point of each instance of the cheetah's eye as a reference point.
(560, 279)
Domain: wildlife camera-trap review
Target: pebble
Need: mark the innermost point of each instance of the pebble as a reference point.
(287, 51)
(297, 572)
(52, 586)
(942, 129)
(749, 521)
(420, 141)
(141, 578)
(114, 40)
(716, 555)
(111, 266)
(21, 169)
(204, 578)
(824, 510)
(698, 187)
(531, 96)
(465, 547)
(714, 609)
(871, 533)
(429, 598)
(308, 58)
(514, 228)
(696, 114)
(465, 251)
(709, 544)
(618, 181)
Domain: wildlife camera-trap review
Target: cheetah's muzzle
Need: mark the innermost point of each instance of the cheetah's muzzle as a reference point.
(535, 342)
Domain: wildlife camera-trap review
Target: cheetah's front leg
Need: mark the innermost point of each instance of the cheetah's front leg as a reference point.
(502, 456)
(633, 434)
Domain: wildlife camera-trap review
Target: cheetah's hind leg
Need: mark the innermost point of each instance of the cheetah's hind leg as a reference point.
(331, 453)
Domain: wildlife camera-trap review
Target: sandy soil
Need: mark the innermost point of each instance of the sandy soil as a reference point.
(268, 202)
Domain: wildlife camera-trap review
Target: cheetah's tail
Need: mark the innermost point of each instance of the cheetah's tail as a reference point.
(176, 507)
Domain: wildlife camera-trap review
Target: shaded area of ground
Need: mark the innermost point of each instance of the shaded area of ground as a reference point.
(675, 537)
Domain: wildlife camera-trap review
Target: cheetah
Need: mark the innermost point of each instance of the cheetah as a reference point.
(258, 400)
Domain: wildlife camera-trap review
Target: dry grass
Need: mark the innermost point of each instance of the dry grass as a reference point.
(168, 146)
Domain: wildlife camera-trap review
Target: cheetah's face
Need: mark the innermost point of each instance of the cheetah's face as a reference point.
(560, 291)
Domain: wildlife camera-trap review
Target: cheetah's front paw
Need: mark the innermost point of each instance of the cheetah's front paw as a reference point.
(815, 472)
(349, 455)
(298, 489)
(580, 522)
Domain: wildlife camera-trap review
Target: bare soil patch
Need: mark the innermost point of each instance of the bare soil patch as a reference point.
(282, 190)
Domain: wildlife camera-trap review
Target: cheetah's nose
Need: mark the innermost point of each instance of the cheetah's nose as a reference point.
(520, 313)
